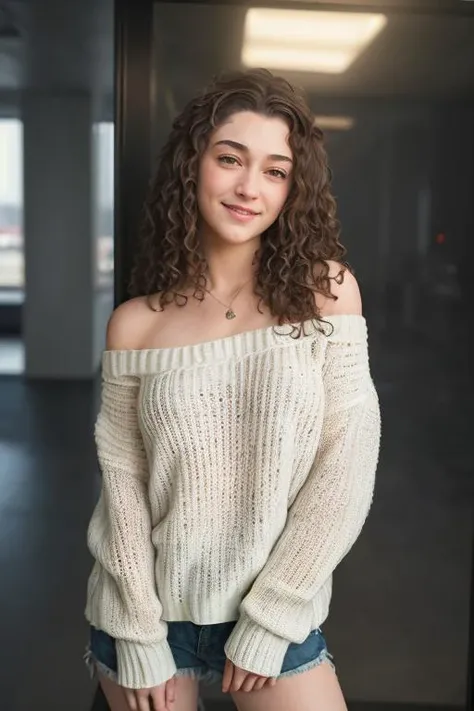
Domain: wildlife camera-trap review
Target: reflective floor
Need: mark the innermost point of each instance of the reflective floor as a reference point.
(398, 624)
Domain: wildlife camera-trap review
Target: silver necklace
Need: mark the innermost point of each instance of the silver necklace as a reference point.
(230, 313)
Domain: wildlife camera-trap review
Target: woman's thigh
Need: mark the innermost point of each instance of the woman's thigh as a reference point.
(187, 692)
(314, 690)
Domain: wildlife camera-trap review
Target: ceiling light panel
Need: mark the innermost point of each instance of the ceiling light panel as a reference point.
(313, 41)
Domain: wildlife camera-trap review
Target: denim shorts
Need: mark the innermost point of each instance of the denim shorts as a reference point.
(198, 651)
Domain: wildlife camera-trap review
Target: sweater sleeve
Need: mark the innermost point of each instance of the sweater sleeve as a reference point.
(121, 596)
(324, 520)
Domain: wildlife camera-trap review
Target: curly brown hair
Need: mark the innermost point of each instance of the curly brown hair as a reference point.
(293, 250)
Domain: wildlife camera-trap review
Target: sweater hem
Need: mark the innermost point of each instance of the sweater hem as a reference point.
(175, 612)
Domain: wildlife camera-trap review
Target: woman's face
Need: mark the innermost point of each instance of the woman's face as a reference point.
(244, 177)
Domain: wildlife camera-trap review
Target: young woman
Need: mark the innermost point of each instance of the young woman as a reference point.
(238, 433)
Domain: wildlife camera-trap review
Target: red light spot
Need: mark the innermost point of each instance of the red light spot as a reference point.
(440, 238)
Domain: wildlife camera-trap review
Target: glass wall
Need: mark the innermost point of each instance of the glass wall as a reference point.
(395, 97)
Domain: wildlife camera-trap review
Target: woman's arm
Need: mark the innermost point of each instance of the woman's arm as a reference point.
(328, 513)
(122, 598)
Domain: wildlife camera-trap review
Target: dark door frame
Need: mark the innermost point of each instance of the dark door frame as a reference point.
(133, 55)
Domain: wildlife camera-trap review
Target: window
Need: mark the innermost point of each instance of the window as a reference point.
(11, 207)
(104, 202)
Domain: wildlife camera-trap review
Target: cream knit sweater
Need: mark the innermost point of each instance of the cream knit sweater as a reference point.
(237, 473)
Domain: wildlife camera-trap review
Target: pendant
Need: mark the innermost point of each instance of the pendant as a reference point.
(230, 314)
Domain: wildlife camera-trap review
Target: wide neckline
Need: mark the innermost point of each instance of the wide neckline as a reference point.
(242, 335)
(152, 360)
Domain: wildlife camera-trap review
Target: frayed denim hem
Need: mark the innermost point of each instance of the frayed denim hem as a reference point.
(205, 677)
(94, 666)
(209, 677)
(324, 657)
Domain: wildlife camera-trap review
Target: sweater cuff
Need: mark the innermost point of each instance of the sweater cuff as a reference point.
(255, 649)
(141, 666)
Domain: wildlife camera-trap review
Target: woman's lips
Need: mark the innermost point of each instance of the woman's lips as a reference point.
(240, 213)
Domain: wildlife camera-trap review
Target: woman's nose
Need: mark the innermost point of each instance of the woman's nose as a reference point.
(248, 185)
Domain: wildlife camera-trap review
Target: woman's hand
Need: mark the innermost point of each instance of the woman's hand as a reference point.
(236, 679)
(157, 698)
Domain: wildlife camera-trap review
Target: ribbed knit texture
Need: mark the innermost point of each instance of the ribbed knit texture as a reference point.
(237, 474)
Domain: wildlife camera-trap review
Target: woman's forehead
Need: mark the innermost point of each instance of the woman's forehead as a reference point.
(255, 132)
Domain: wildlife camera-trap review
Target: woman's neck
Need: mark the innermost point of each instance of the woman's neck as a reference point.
(228, 270)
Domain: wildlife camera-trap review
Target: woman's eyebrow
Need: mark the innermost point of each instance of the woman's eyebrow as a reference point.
(244, 149)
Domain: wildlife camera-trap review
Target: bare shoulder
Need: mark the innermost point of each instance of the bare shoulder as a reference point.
(345, 288)
(128, 323)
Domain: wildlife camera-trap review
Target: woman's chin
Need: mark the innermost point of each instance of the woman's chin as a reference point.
(234, 238)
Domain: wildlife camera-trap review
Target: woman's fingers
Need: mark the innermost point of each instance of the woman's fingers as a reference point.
(260, 683)
(227, 677)
(131, 700)
(239, 677)
(250, 681)
(143, 700)
(161, 697)
(158, 698)
(236, 679)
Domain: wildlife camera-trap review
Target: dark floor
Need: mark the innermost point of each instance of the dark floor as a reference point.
(399, 620)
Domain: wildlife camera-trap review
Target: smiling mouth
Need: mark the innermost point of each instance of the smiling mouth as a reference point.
(240, 210)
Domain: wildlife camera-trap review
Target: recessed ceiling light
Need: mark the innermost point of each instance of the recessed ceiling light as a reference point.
(334, 123)
(302, 40)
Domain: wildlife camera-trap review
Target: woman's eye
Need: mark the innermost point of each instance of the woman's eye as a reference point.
(276, 173)
(228, 160)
